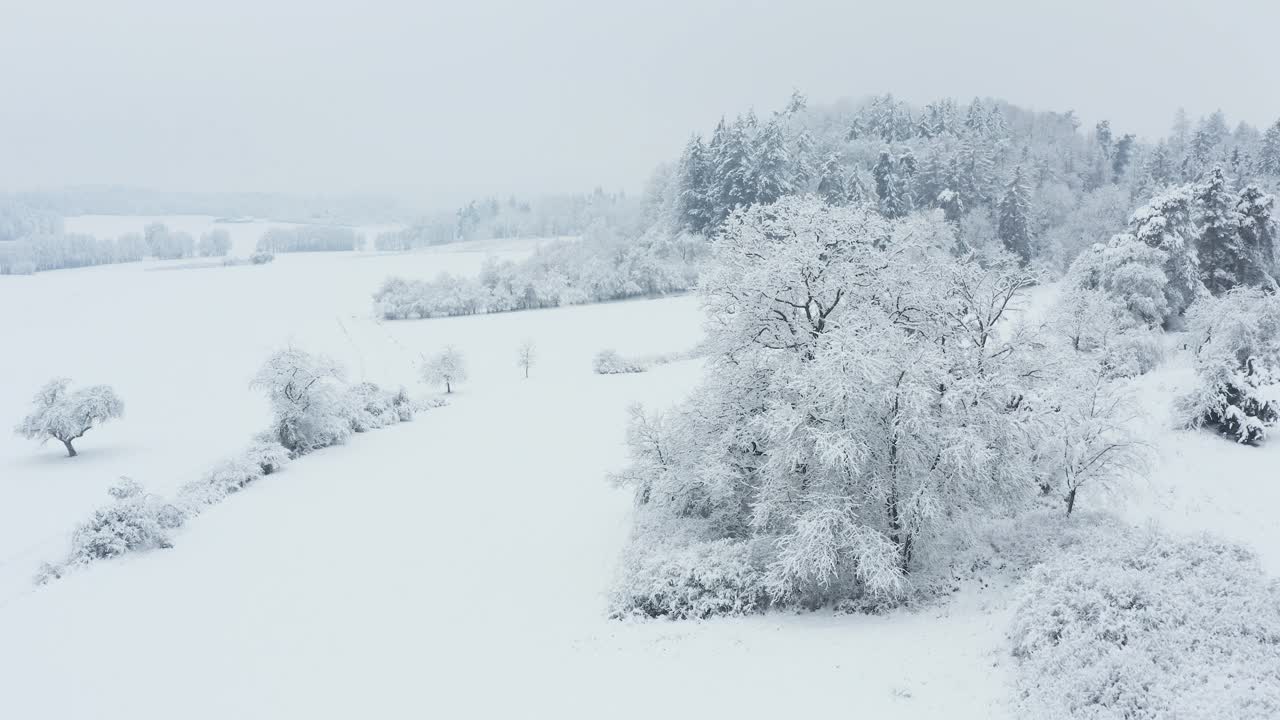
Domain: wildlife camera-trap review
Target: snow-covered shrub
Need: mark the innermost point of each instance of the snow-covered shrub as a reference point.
(864, 396)
(609, 362)
(1149, 628)
(308, 399)
(373, 408)
(1237, 346)
(699, 579)
(1097, 323)
(66, 416)
(261, 257)
(125, 487)
(268, 454)
(447, 367)
(134, 521)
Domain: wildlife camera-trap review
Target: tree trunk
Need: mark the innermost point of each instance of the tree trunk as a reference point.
(71, 452)
(447, 388)
(526, 372)
(1071, 501)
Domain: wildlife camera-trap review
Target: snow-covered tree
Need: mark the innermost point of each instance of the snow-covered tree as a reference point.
(696, 204)
(1015, 208)
(308, 399)
(1269, 152)
(1165, 223)
(1091, 436)
(771, 167)
(1218, 244)
(1259, 234)
(889, 187)
(1237, 346)
(832, 183)
(1130, 271)
(446, 367)
(66, 416)
(864, 396)
(526, 355)
(216, 243)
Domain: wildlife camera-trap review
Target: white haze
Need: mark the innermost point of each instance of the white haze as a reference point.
(443, 101)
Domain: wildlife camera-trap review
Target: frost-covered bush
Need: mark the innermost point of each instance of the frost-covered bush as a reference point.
(671, 570)
(1237, 346)
(134, 521)
(1149, 628)
(66, 416)
(267, 454)
(308, 399)
(447, 367)
(261, 257)
(609, 362)
(263, 457)
(373, 408)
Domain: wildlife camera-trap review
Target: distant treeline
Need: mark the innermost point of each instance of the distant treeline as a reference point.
(549, 216)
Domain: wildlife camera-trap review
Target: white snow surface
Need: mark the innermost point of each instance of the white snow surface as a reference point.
(454, 566)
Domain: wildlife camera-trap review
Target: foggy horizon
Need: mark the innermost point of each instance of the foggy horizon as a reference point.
(447, 102)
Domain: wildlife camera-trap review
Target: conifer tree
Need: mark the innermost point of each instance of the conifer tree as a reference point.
(1258, 236)
(1165, 224)
(1218, 240)
(832, 185)
(1013, 227)
(1269, 152)
(770, 169)
(696, 207)
(888, 190)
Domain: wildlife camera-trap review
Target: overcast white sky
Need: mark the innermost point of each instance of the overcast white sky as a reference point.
(448, 100)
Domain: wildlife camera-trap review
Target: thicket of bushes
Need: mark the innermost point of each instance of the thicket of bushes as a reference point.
(1149, 627)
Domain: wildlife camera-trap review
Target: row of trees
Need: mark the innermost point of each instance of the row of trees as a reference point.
(601, 266)
(310, 238)
(61, 251)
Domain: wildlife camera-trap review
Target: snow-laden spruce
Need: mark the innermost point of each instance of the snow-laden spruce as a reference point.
(866, 392)
(1236, 338)
(66, 416)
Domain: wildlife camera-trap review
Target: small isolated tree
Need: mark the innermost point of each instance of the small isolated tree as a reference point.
(66, 416)
(1090, 436)
(525, 356)
(447, 367)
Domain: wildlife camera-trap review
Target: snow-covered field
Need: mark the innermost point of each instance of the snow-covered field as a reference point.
(454, 566)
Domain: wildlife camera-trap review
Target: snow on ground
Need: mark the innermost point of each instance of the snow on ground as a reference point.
(454, 566)
(1204, 482)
